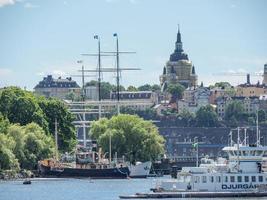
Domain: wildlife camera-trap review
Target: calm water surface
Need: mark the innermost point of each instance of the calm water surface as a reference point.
(74, 189)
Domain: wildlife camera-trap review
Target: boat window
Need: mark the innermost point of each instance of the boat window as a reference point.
(260, 178)
(211, 179)
(218, 179)
(196, 178)
(253, 178)
(245, 153)
(246, 178)
(232, 179)
(204, 179)
(225, 179)
(239, 179)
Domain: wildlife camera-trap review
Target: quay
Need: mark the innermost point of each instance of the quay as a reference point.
(198, 194)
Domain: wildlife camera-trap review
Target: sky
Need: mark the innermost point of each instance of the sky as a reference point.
(41, 37)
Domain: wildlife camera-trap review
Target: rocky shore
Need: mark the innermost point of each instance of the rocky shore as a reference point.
(14, 175)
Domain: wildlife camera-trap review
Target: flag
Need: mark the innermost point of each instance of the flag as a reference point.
(95, 36)
(115, 34)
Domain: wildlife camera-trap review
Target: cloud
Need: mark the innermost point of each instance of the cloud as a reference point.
(6, 2)
(5, 72)
(30, 5)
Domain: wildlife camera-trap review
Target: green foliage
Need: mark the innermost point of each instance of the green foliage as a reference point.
(145, 87)
(223, 84)
(187, 118)
(7, 157)
(37, 146)
(206, 117)
(132, 89)
(106, 88)
(4, 124)
(20, 106)
(24, 146)
(235, 110)
(130, 136)
(176, 90)
(56, 109)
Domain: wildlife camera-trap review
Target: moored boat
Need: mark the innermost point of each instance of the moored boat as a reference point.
(241, 175)
(140, 169)
(51, 168)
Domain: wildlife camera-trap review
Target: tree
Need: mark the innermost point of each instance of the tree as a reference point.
(235, 110)
(56, 109)
(130, 136)
(105, 89)
(223, 85)
(176, 90)
(156, 87)
(7, 158)
(132, 89)
(37, 146)
(206, 117)
(186, 117)
(20, 106)
(145, 87)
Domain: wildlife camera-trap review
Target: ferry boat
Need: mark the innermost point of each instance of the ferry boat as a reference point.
(239, 175)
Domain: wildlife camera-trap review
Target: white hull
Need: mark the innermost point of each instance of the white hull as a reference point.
(140, 170)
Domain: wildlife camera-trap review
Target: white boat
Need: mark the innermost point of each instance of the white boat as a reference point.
(140, 169)
(241, 175)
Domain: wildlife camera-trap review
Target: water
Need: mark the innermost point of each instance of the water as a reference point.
(74, 189)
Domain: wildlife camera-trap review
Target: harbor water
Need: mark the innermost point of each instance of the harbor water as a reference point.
(75, 189)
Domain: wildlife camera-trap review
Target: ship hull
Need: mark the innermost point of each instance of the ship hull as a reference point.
(112, 173)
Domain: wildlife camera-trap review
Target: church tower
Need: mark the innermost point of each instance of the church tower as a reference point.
(265, 75)
(179, 69)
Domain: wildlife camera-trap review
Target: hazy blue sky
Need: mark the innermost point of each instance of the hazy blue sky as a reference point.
(40, 37)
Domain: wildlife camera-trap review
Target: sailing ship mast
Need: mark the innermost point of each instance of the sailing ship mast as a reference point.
(56, 139)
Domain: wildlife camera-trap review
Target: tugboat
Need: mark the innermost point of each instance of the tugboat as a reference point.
(239, 176)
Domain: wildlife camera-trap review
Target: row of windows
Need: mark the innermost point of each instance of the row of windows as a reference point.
(226, 179)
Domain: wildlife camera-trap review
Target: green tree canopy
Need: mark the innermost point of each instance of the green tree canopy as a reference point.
(176, 90)
(235, 110)
(206, 117)
(132, 89)
(56, 109)
(131, 136)
(20, 106)
(105, 89)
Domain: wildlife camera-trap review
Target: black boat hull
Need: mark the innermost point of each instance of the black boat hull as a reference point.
(112, 173)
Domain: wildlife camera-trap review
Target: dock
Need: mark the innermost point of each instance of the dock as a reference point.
(163, 195)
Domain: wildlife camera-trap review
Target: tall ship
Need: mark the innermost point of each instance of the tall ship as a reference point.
(87, 164)
(241, 175)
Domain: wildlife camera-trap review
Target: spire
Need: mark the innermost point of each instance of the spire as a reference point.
(179, 35)
(164, 70)
(193, 70)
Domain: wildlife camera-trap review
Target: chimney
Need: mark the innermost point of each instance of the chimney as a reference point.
(248, 79)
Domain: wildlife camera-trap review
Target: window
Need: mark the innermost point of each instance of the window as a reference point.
(246, 178)
(225, 179)
(253, 178)
(260, 178)
(211, 179)
(218, 179)
(196, 178)
(204, 179)
(232, 179)
(239, 179)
